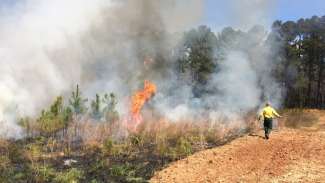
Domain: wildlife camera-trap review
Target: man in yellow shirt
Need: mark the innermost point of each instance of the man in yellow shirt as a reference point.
(268, 114)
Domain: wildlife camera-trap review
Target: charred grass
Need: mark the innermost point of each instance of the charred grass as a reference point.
(96, 153)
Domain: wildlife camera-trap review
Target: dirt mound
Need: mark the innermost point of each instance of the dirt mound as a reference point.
(291, 155)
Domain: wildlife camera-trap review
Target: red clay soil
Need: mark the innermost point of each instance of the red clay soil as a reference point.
(290, 155)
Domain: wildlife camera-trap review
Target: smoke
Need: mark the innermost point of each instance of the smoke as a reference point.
(38, 61)
(243, 81)
(249, 13)
(47, 47)
(237, 83)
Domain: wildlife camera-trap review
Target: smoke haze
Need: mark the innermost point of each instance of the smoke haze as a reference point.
(48, 46)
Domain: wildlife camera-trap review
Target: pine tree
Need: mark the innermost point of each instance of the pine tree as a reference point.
(54, 119)
(77, 102)
(110, 103)
(96, 112)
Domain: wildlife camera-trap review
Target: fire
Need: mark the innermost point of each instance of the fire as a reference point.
(139, 99)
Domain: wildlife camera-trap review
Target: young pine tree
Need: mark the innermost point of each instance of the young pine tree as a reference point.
(54, 119)
(110, 103)
(77, 102)
(96, 104)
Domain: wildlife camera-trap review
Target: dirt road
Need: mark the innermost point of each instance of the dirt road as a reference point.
(291, 155)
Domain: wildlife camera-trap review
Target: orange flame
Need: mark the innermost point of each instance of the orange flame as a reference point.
(139, 99)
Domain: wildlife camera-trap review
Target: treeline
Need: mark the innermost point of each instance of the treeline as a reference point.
(303, 52)
(297, 52)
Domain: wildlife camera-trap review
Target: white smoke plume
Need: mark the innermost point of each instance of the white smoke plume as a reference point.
(47, 47)
(244, 80)
(247, 13)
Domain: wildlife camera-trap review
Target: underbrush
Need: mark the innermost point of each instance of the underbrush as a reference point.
(69, 143)
(104, 157)
(297, 118)
(63, 146)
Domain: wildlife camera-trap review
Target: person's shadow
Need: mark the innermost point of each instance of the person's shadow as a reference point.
(256, 135)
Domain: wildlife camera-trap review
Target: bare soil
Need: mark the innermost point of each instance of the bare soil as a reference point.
(290, 155)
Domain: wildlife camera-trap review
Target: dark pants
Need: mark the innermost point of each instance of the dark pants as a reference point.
(267, 127)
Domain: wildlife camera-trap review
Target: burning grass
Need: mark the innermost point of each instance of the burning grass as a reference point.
(97, 152)
(66, 144)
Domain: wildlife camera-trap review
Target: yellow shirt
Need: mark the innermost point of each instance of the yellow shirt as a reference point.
(269, 112)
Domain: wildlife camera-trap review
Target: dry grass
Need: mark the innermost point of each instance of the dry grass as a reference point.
(102, 146)
(298, 118)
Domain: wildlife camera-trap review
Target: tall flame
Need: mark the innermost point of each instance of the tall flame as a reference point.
(139, 99)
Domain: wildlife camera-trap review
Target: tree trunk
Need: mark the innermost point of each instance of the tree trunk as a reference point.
(311, 54)
(319, 82)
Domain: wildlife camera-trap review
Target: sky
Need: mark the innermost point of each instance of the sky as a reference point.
(222, 13)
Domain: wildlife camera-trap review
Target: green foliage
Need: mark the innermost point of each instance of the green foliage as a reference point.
(98, 167)
(15, 153)
(77, 102)
(43, 173)
(301, 71)
(211, 136)
(125, 173)
(12, 163)
(94, 181)
(96, 108)
(54, 119)
(162, 147)
(6, 170)
(228, 40)
(198, 54)
(184, 147)
(110, 111)
(25, 123)
(136, 140)
(105, 107)
(108, 146)
(113, 149)
(73, 175)
(34, 151)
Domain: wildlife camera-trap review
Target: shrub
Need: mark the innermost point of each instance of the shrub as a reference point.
(6, 170)
(94, 181)
(125, 173)
(296, 118)
(183, 147)
(113, 149)
(73, 175)
(162, 147)
(110, 111)
(34, 152)
(109, 147)
(136, 140)
(15, 153)
(43, 173)
(26, 124)
(77, 102)
(54, 119)
(96, 112)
